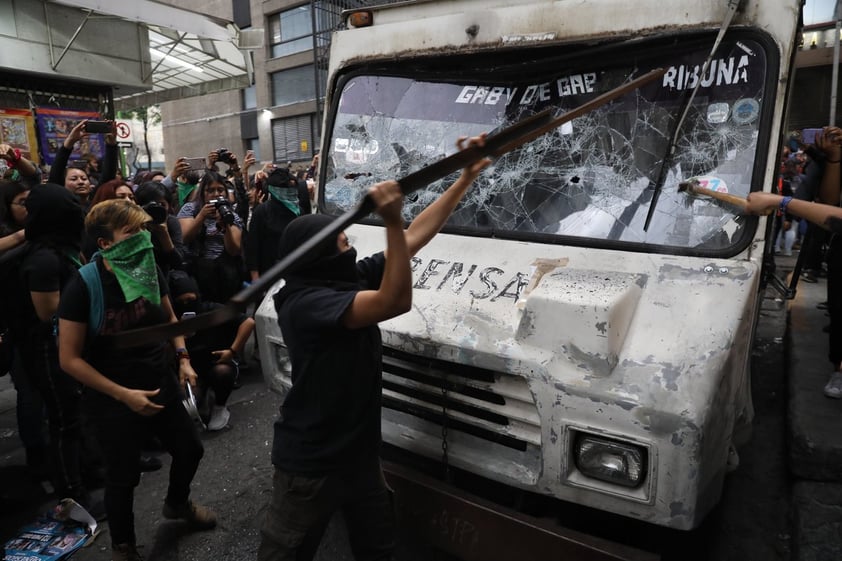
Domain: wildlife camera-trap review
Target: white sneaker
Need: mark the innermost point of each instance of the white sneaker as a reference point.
(219, 417)
(834, 386)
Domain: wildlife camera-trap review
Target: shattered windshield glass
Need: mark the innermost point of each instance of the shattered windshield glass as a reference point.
(592, 178)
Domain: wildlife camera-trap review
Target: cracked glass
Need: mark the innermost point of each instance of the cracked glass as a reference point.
(591, 179)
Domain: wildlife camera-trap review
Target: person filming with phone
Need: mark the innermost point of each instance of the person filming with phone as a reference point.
(75, 178)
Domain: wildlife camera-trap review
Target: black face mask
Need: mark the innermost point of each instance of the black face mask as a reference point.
(180, 307)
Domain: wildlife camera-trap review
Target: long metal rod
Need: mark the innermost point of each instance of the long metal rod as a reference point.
(72, 39)
(834, 86)
(496, 145)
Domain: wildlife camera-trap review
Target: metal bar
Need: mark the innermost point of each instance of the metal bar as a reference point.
(835, 74)
(474, 529)
(76, 34)
(496, 145)
(165, 55)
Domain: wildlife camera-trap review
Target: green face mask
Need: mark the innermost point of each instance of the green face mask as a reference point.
(287, 196)
(133, 263)
(184, 190)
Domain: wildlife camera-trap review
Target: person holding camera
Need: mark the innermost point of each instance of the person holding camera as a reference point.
(167, 238)
(213, 233)
(288, 199)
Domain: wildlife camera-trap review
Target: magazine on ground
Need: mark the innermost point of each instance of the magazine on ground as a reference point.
(53, 536)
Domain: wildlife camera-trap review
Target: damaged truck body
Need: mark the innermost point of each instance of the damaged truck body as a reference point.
(581, 329)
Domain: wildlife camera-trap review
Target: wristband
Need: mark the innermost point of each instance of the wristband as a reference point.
(784, 203)
(17, 158)
(832, 161)
(181, 352)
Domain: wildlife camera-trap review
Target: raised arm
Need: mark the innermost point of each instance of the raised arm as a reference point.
(394, 297)
(57, 170)
(826, 216)
(427, 224)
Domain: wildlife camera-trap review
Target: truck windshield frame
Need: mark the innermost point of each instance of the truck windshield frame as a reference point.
(590, 182)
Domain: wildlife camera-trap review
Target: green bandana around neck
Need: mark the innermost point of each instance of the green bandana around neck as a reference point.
(184, 190)
(287, 196)
(132, 261)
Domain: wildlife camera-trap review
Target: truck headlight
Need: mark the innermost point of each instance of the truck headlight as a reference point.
(610, 460)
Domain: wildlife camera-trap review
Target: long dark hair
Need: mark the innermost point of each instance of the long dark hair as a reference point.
(8, 191)
(208, 178)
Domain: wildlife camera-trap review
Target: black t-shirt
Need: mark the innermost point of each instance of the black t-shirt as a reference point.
(268, 222)
(331, 415)
(44, 269)
(147, 367)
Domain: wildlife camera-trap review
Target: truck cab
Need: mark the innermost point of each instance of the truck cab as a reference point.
(582, 327)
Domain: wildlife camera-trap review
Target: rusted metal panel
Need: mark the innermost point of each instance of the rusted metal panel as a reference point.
(474, 529)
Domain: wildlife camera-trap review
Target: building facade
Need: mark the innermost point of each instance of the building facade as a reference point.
(279, 115)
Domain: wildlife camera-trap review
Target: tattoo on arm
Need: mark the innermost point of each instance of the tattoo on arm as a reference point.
(834, 224)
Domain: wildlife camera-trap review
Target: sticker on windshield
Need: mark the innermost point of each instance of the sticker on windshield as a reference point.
(718, 113)
(712, 183)
(746, 111)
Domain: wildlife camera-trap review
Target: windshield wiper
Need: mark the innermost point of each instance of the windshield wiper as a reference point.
(668, 157)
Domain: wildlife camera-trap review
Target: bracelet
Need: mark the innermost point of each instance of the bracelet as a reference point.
(181, 353)
(17, 158)
(832, 161)
(784, 202)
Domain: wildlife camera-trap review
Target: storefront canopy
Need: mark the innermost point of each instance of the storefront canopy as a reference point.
(189, 53)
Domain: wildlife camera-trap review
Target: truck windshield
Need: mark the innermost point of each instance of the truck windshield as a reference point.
(590, 182)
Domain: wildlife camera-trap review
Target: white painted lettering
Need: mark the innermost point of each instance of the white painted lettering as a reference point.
(466, 94)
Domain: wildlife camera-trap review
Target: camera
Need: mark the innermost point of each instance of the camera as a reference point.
(223, 155)
(223, 207)
(157, 211)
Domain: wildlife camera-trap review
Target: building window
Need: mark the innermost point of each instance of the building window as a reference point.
(293, 85)
(242, 13)
(249, 98)
(291, 31)
(293, 138)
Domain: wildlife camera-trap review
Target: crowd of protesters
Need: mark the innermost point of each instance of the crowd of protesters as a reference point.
(807, 194)
(93, 254)
(86, 255)
(161, 247)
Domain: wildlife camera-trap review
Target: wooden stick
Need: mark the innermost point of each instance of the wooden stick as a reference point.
(692, 187)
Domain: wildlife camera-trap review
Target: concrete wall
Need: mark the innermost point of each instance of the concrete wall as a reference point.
(107, 51)
(193, 127)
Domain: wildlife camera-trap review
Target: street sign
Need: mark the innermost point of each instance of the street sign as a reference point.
(124, 133)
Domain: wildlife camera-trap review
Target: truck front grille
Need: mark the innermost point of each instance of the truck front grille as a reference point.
(494, 406)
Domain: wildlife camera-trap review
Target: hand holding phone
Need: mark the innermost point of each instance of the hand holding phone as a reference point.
(98, 127)
(196, 163)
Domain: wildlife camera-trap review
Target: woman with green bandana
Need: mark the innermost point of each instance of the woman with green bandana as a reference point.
(134, 392)
(288, 199)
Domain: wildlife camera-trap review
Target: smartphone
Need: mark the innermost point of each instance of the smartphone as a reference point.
(196, 163)
(98, 126)
(78, 164)
(808, 136)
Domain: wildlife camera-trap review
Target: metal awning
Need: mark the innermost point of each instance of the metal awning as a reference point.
(189, 53)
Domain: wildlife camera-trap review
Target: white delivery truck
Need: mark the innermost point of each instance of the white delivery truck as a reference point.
(581, 329)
